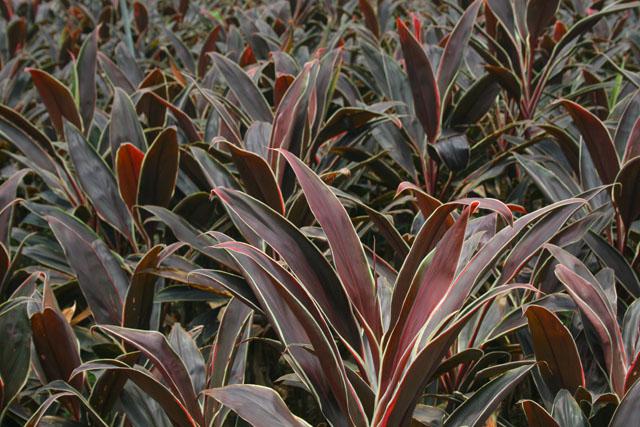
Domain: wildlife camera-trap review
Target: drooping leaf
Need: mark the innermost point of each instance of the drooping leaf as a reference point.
(475, 410)
(28, 139)
(155, 346)
(257, 405)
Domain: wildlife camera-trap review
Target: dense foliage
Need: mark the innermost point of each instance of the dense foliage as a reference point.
(305, 212)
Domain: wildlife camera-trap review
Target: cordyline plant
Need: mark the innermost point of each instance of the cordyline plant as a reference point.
(293, 213)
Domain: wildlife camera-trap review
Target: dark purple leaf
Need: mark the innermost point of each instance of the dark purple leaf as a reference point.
(554, 345)
(247, 93)
(348, 254)
(159, 170)
(86, 69)
(58, 100)
(258, 405)
(451, 59)
(424, 87)
(97, 181)
(597, 139)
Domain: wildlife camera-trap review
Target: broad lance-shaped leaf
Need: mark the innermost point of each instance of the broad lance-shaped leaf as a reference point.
(185, 232)
(424, 87)
(147, 382)
(139, 299)
(97, 181)
(301, 255)
(348, 254)
(128, 163)
(539, 234)
(540, 14)
(628, 408)
(475, 410)
(159, 170)
(124, 125)
(34, 145)
(297, 329)
(597, 139)
(439, 220)
(537, 416)
(208, 46)
(554, 345)
(427, 290)
(155, 346)
(86, 71)
(309, 321)
(228, 358)
(612, 258)
(482, 261)
(7, 197)
(247, 93)
(58, 100)
(567, 411)
(290, 120)
(55, 343)
(454, 49)
(101, 279)
(627, 123)
(593, 306)
(185, 346)
(632, 149)
(258, 177)
(626, 194)
(370, 18)
(15, 352)
(258, 405)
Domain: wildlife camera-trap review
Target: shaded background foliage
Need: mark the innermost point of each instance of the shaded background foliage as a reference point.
(300, 212)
